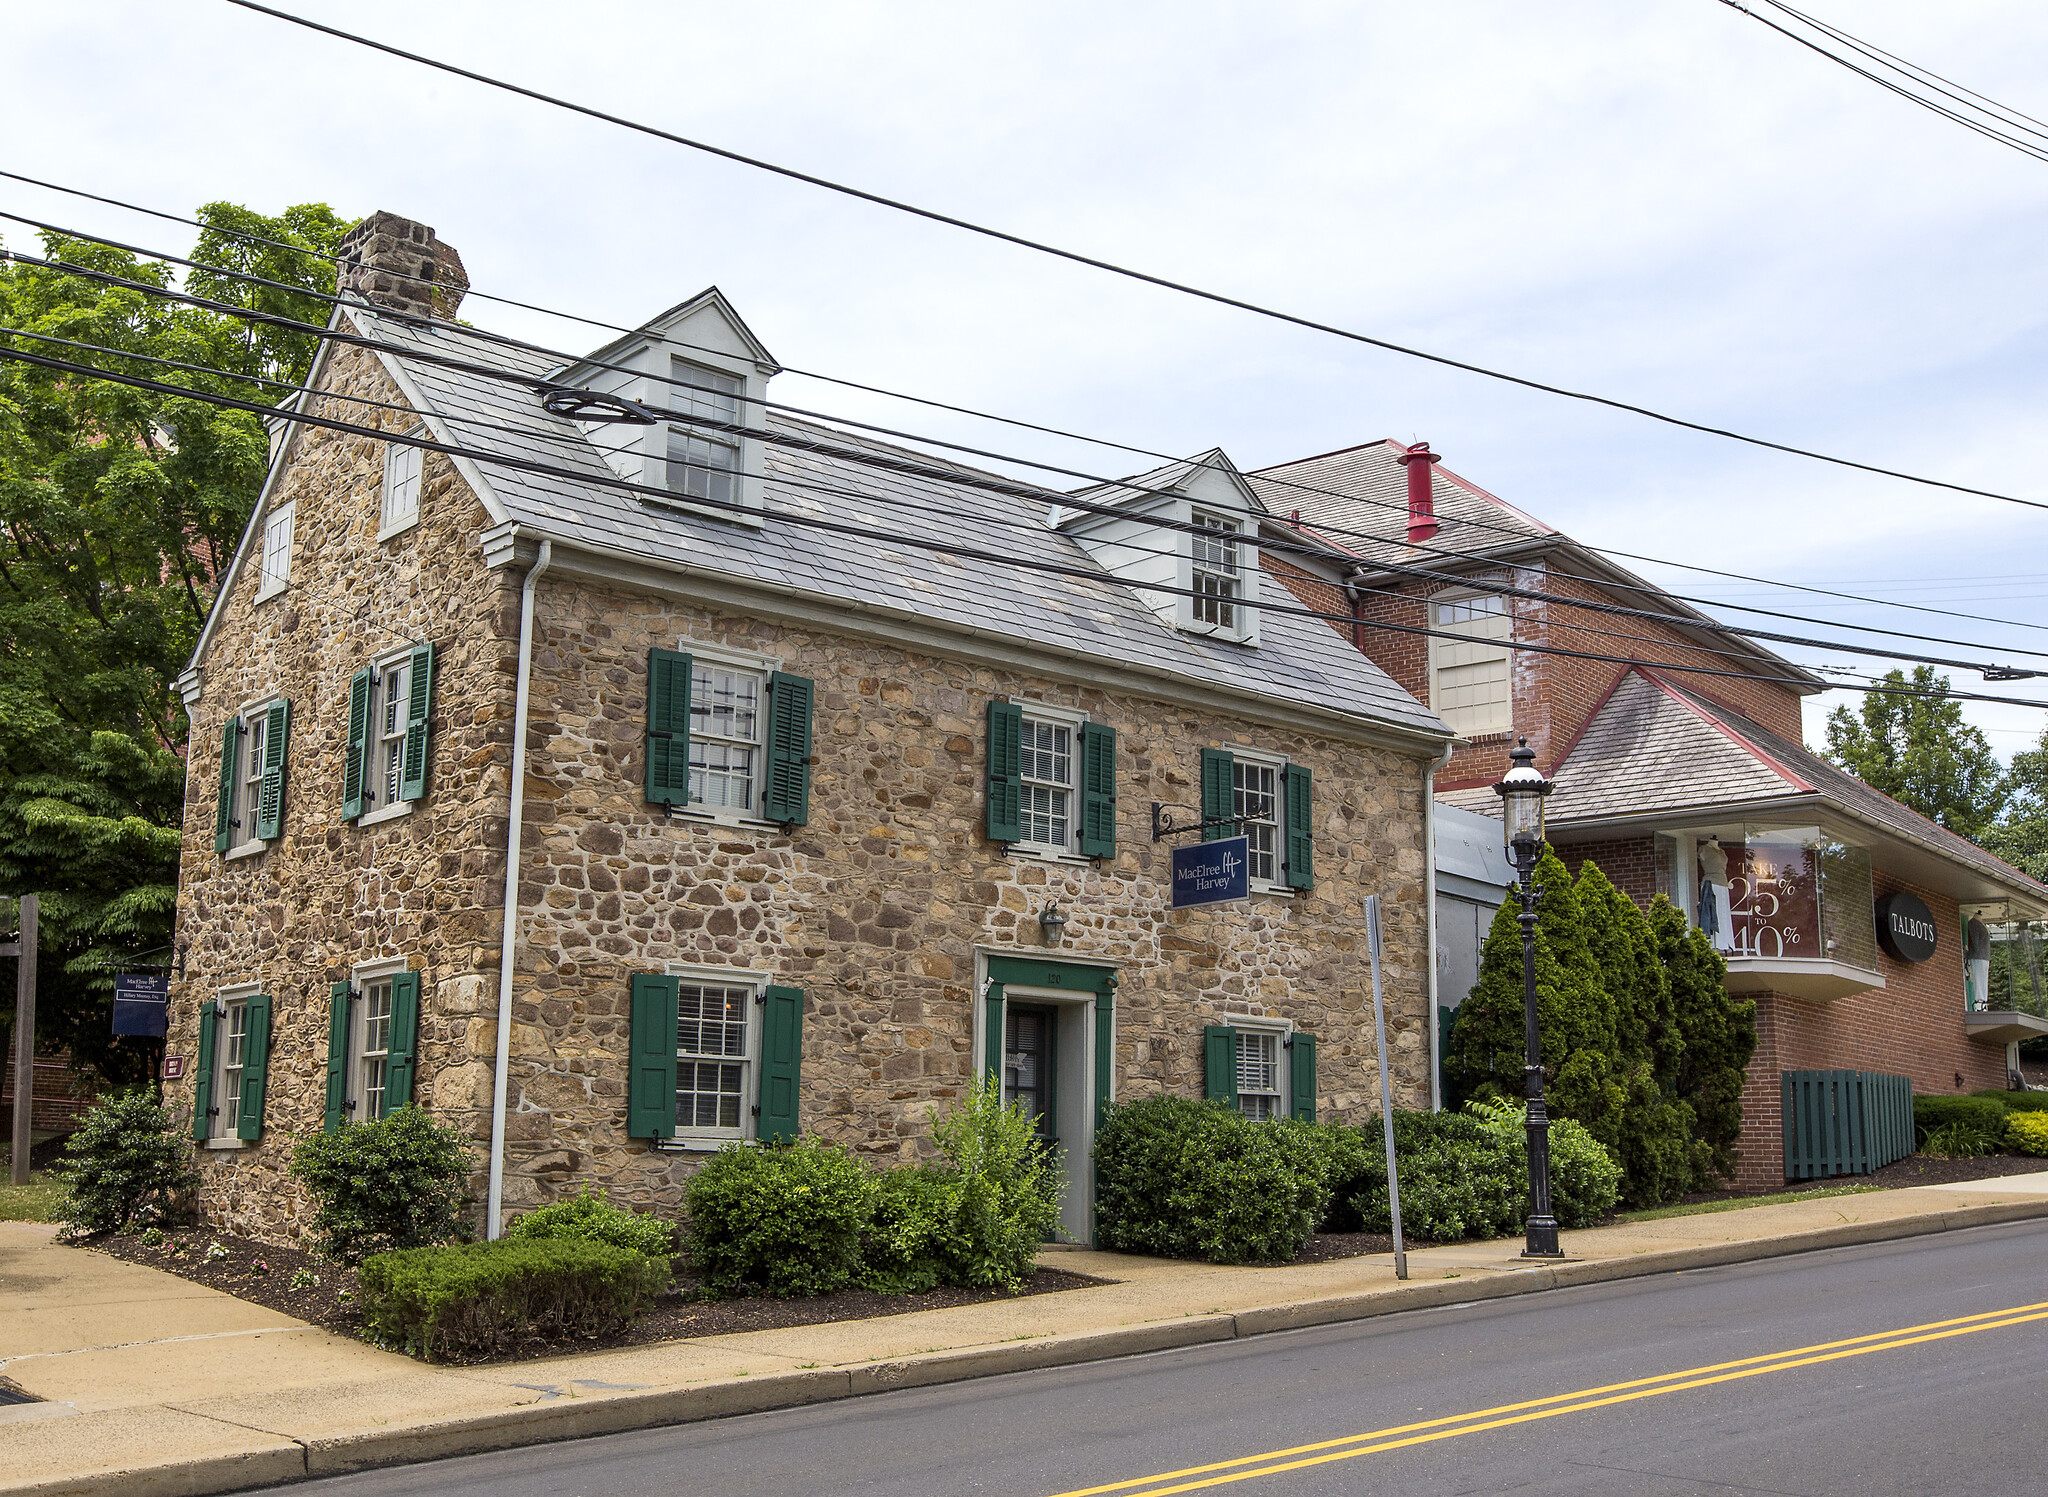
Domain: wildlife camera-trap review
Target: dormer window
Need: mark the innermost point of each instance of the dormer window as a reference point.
(704, 463)
(1217, 581)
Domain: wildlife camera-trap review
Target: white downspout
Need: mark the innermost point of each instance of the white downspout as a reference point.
(1436, 1061)
(494, 1208)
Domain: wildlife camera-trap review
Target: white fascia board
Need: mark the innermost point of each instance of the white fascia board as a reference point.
(424, 408)
(577, 556)
(225, 583)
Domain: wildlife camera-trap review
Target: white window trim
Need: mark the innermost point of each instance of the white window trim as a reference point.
(251, 844)
(1437, 644)
(397, 810)
(705, 1141)
(1278, 764)
(240, 993)
(386, 532)
(1284, 1053)
(1073, 720)
(1246, 631)
(657, 392)
(268, 587)
(739, 660)
(358, 977)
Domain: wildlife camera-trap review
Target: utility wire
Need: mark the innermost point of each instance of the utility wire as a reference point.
(1145, 277)
(954, 474)
(1266, 476)
(664, 499)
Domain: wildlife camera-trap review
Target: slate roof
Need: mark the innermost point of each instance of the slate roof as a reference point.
(1298, 660)
(1654, 750)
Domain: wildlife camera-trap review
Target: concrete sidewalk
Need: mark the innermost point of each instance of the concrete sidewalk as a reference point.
(153, 1385)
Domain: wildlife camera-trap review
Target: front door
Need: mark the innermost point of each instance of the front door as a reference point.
(1031, 1063)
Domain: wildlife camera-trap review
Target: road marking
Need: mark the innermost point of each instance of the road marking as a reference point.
(1477, 1421)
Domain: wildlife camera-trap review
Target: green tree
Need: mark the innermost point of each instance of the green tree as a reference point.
(2020, 836)
(1718, 1031)
(1920, 752)
(117, 509)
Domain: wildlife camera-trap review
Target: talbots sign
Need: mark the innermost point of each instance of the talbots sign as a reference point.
(1211, 873)
(1905, 928)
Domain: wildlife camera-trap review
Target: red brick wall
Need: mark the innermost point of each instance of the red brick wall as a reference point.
(1913, 1027)
(1629, 861)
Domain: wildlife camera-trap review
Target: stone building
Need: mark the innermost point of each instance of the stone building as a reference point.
(827, 775)
(1869, 936)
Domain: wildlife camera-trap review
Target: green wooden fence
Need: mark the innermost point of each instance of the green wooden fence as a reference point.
(1845, 1122)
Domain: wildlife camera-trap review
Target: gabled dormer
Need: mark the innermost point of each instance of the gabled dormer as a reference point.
(704, 375)
(1190, 526)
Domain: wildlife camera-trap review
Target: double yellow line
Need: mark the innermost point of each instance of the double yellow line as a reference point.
(1396, 1437)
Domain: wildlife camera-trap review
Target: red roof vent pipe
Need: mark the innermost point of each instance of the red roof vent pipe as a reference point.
(1418, 460)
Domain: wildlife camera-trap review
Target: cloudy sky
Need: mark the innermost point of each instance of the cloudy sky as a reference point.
(1662, 202)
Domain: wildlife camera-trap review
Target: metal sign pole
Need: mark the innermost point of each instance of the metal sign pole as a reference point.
(1379, 1024)
(25, 1040)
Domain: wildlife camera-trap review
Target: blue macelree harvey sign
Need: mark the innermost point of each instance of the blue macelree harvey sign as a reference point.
(141, 1004)
(1212, 872)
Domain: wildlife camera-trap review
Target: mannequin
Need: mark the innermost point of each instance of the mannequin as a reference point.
(1713, 915)
(1977, 965)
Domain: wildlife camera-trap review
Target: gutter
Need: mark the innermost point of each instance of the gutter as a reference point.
(1436, 1061)
(509, 941)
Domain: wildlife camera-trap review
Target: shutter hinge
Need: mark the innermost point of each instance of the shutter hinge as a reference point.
(762, 999)
(213, 1112)
(755, 1109)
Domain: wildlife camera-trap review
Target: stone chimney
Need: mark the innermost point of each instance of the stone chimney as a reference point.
(399, 266)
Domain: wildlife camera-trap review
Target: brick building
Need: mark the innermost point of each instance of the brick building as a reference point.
(659, 770)
(1684, 774)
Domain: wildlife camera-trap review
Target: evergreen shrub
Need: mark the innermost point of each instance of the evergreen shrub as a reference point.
(466, 1302)
(2027, 1132)
(589, 1217)
(780, 1219)
(1183, 1179)
(129, 1164)
(1466, 1175)
(384, 1186)
(2017, 1101)
(1972, 1124)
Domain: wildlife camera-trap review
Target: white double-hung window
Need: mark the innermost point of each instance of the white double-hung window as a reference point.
(276, 558)
(1470, 680)
(231, 1054)
(402, 465)
(1255, 792)
(716, 1040)
(703, 462)
(390, 694)
(1047, 803)
(372, 1051)
(1258, 1073)
(725, 736)
(1218, 578)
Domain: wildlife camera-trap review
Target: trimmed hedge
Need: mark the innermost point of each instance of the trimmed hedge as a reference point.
(482, 1299)
(1177, 1178)
(1977, 1122)
(1466, 1174)
(2017, 1101)
(2027, 1132)
(589, 1217)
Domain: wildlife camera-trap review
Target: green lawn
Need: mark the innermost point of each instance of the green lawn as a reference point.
(1743, 1203)
(36, 1201)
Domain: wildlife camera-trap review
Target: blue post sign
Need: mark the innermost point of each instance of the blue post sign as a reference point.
(1212, 872)
(141, 1004)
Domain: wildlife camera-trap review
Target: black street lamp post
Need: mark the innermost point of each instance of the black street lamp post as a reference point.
(1522, 793)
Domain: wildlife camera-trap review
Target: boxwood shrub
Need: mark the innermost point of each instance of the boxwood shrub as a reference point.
(780, 1219)
(591, 1218)
(1966, 1124)
(1183, 1179)
(398, 1182)
(1466, 1174)
(2013, 1101)
(465, 1302)
(2027, 1132)
(129, 1164)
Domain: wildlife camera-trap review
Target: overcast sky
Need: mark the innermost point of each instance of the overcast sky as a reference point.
(1665, 202)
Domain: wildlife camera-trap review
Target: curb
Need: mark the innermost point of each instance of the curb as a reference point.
(540, 1424)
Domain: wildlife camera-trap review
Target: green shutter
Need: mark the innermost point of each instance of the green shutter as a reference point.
(401, 1064)
(412, 778)
(992, 1031)
(1005, 772)
(202, 1078)
(787, 794)
(277, 733)
(337, 1055)
(1219, 795)
(355, 769)
(1299, 805)
(782, 1035)
(1302, 1076)
(1098, 791)
(230, 760)
(255, 1069)
(668, 729)
(1219, 1064)
(651, 1066)
(1105, 1053)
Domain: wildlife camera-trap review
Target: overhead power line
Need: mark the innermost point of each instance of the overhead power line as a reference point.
(1129, 273)
(1265, 476)
(662, 498)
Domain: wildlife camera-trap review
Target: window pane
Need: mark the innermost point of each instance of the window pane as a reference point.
(702, 467)
(1048, 763)
(1258, 1074)
(402, 483)
(711, 1051)
(1214, 548)
(277, 548)
(703, 393)
(725, 717)
(1257, 809)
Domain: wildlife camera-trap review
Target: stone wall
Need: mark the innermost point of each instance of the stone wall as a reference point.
(878, 907)
(326, 896)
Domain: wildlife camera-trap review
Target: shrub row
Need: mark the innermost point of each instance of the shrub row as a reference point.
(809, 1218)
(1183, 1179)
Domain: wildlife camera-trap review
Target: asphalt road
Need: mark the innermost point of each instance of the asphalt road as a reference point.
(1946, 1395)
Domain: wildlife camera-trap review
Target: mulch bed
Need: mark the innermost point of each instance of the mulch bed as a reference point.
(263, 1275)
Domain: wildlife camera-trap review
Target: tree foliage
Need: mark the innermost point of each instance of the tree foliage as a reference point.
(2021, 834)
(1918, 750)
(117, 509)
